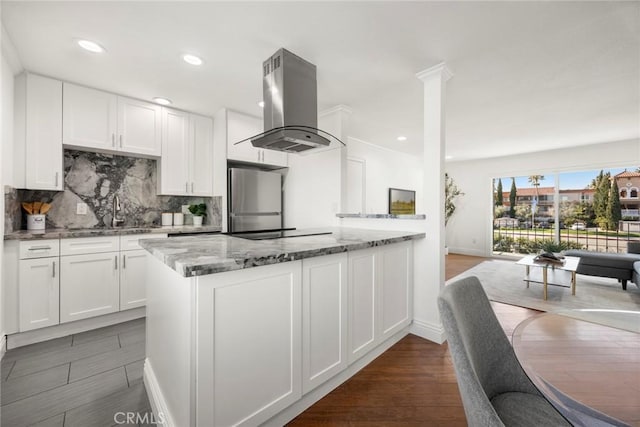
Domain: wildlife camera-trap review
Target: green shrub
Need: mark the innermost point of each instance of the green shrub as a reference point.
(503, 244)
(523, 245)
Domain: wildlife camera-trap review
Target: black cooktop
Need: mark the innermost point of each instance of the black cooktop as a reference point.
(278, 234)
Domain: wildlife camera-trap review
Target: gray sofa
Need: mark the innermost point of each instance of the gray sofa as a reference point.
(624, 267)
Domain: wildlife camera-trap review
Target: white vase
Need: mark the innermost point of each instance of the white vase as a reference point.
(197, 221)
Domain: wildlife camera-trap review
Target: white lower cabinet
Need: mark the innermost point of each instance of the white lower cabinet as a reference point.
(380, 295)
(396, 287)
(90, 285)
(133, 279)
(324, 318)
(363, 298)
(256, 343)
(270, 337)
(39, 293)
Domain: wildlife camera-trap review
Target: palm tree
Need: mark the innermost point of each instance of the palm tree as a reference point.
(535, 181)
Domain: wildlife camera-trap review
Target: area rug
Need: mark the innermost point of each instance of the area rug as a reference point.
(503, 282)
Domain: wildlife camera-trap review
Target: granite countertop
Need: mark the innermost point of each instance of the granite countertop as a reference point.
(380, 216)
(63, 233)
(200, 255)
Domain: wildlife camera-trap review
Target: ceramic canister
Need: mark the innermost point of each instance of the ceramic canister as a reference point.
(167, 219)
(36, 222)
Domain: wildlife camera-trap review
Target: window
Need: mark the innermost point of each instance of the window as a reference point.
(623, 193)
(634, 193)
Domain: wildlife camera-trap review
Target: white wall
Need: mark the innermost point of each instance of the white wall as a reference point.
(3, 137)
(384, 169)
(9, 66)
(469, 230)
(312, 189)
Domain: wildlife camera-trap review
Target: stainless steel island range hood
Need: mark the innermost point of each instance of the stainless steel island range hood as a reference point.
(290, 105)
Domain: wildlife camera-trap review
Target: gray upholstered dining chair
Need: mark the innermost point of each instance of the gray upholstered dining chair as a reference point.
(495, 389)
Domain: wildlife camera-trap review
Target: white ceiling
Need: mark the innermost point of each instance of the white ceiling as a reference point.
(528, 76)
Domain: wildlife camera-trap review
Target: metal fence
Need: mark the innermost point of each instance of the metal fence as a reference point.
(529, 240)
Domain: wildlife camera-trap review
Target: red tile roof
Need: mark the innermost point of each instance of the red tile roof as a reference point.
(627, 174)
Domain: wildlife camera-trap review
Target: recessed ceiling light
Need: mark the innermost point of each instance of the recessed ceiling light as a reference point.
(91, 46)
(448, 157)
(261, 104)
(162, 101)
(402, 138)
(192, 59)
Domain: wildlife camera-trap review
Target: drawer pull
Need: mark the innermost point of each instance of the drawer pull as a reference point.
(40, 248)
(54, 269)
(115, 262)
(124, 262)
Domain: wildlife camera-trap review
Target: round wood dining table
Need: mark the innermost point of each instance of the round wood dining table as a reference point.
(586, 363)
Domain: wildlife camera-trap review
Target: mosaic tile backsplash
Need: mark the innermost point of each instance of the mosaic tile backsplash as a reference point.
(95, 179)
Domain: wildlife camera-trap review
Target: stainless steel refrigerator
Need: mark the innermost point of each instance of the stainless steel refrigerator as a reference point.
(255, 200)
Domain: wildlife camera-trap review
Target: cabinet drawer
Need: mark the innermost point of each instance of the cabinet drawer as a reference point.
(39, 248)
(89, 245)
(130, 243)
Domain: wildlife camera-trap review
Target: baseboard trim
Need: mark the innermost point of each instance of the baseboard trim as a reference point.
(319, 392)
(3, 345)
(467, 251)
(161, 414)
(429, 331)
(37, 335)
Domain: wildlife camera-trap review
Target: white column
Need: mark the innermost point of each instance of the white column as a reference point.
(429, 253)
(336, 121)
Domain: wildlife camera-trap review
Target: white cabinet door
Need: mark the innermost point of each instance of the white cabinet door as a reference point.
(186, 165)
(363, 299)
(174, 163)
(89, 118)
(43, 133)
(89, 285)
(38, 293)
(139, 127)
(239, 127)
(255, 368)
(396, 287)
(201, 164)
(324, 318)
(133, 275)
(242, 126)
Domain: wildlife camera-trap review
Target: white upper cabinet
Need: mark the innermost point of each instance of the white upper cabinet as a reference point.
(174, 164)
(89, 118)
(101, 121)
(242, 126)
(186, 167)
(139, 127)
(201, 155)
(38, 132)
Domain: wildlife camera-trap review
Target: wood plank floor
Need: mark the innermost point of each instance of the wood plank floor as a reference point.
(85, 379)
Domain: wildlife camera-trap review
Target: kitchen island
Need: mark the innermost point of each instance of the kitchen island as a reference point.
(243, 332)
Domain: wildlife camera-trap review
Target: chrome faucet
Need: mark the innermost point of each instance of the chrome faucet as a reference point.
(116, 208)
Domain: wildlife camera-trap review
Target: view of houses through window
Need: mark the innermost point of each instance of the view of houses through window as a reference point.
(596, 210)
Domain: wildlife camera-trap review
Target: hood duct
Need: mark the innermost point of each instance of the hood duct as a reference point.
(290, 106)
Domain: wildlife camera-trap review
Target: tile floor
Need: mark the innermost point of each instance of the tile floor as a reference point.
(84, 379)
